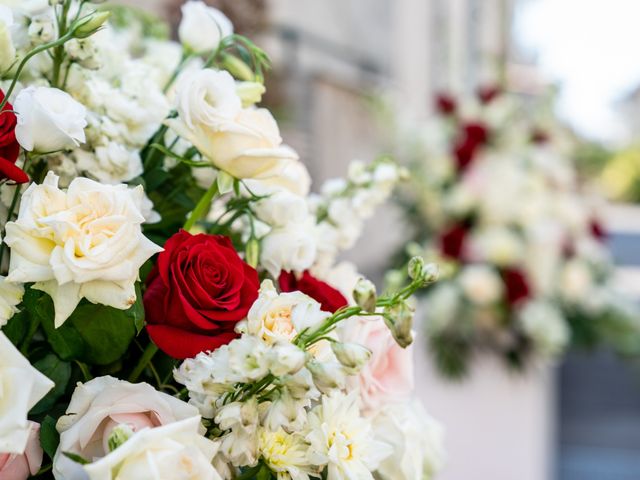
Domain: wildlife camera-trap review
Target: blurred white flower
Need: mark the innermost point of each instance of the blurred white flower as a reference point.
(202, 27)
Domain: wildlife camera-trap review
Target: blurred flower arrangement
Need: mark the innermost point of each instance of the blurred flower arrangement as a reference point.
(240, 350)
(496, 202)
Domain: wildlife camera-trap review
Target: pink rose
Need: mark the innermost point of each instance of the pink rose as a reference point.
(99, 406)
(20, 467)
(388, 376)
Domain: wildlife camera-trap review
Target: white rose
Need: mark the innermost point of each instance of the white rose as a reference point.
(7, 49)
(111, 163)
(546, 326)
(416, 439)
(48, 120)
(281, 208)
(10, 298)
(99, 406)
(498, 245)
(202, 27)
(175, 451)
(280, 317)
(576, 280)
(21, 387)
(83, 243)
(290, 248)
(481, 284)
(245, 143)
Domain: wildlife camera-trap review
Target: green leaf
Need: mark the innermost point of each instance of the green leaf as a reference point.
(49, 437)
(17, 327)
(93, 334)
(137, 310)
(60, 373)
(76, 458)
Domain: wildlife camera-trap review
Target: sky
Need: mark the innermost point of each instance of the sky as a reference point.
(591, 48)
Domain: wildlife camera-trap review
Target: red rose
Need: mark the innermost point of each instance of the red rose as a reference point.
(488, 93)
(517, 285)
(452, 241)
(9, 147)
(597, 230)
(329, 298)
(472, 136)
(198, 291)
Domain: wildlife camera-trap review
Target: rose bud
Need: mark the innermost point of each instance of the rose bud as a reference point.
(327, 376)
(352, 356)
(399, 320)
(286, 359)
(364, 293)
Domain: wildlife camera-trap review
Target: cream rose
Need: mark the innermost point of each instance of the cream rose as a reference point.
(245, 143)
(280, 317)
(15, 466)
(49, 120)
(21, 387)
(416, 439)
(10, 298)
(172, 452)
(388, 376)
(202, 27)
(82, 243)
(99, 406)
(481, 284)
(7, 49)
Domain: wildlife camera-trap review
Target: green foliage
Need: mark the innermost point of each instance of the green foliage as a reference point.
(49, 437)
(452, 354)
(94, 334)
(60, 373)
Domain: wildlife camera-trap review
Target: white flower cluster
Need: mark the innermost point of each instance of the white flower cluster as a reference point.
(345, 203)
(336, 405)
(518, 237)
(98, 112)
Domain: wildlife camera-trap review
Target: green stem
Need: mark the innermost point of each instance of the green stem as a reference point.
(202, 207)
(146, 357)
(27, 57)
(58, 54)
(84, 368)
(185, 57)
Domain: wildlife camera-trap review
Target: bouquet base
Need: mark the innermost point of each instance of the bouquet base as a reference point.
(499, 424)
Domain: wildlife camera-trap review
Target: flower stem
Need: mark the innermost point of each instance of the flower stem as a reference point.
(146, 357)
(12, 207)
(202, 207)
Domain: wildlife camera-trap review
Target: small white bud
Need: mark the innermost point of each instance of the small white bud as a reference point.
(399, 320)
(364, 293)
(285, 359)
(250, 92)
(327, 376)
(352, 356)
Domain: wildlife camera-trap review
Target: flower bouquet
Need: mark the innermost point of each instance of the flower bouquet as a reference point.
(239, 349)
(525, 270)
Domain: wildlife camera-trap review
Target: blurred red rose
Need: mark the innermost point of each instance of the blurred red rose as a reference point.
(452, 241)
(330, 298)
(517, 285)
(472, 136)
(9, 147)
(197, 292)
(488, 93)
(446, 104)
